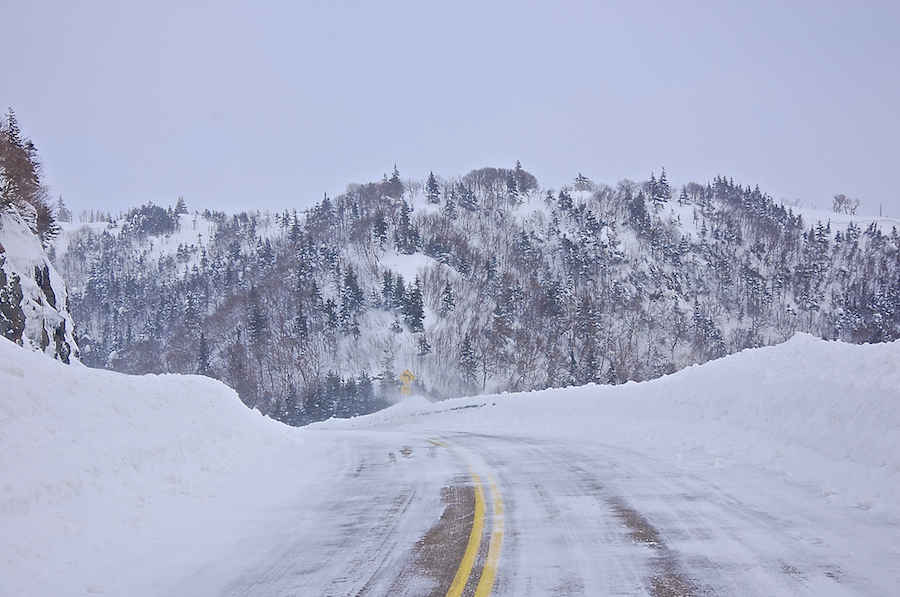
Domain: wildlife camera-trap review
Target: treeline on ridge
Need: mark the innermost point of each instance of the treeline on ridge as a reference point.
(478, 283)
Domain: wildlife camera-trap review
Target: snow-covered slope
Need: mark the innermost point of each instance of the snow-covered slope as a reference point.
(34, 304)
(98, 469)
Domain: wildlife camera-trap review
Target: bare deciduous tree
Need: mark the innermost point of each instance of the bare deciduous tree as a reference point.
(843, 204)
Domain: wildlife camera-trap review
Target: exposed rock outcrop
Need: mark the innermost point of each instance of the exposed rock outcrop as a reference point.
(34, 304)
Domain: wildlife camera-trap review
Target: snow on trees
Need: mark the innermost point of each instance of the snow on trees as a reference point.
(488, 290)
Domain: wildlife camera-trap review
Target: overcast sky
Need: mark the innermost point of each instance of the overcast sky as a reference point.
(268, 105)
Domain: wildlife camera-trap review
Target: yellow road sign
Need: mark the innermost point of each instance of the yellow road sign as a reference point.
(406, 377)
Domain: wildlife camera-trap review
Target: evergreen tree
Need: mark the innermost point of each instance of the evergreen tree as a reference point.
(449, 207)
(332, 319)
(265, 256)
(582, 183)
(394, 186)
(466, 198)
(447, 301)
(295, 235)
(365, 394)
(379, 229)
(332, 394)
(257, 324)
(352, 294)
(660, 188)
(414, 308)
(191, 311)
(512, 191)
(20, 180)
(423, 348)
(389, 383)
(406, 237)
(468, 364)
(203, 356)
(525, 181)
(387, 290)
(432, 191)
(399, 300)
(565, 200)
(62, 212)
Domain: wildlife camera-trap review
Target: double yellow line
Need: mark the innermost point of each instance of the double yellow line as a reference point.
(489, 571)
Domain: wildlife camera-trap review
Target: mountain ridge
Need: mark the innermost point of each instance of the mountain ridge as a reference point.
(483, 282)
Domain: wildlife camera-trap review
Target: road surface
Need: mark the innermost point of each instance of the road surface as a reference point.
(453, 514)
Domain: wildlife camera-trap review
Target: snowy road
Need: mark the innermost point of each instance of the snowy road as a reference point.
(558, 516)
(772, 472)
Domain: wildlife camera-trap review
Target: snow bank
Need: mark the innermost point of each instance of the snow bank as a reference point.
(89, 453)
(822, 413)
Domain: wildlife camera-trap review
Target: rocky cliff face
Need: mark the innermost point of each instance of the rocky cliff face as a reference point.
(34, 303)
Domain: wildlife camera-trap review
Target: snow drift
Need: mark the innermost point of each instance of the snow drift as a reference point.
(88, 453)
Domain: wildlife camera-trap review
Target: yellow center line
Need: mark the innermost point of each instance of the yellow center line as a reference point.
(489, 572)
(468, 561)
(486, 584)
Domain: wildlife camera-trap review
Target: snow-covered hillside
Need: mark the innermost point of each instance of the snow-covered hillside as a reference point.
(109, 482)
(477, 287)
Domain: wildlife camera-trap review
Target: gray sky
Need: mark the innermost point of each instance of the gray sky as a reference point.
(268, 105)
